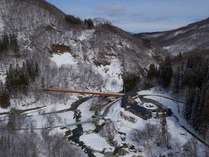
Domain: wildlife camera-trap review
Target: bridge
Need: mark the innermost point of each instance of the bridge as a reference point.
(67, 91)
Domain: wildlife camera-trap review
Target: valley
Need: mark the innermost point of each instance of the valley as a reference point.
(72, 87)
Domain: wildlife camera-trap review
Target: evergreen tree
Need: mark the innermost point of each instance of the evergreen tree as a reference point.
(19, 78)
(190, 92)
(204, 118)
(195, 108)
(9, 42)
(165, 72)
(4, 96)
(11, 125)
(152, 72)
(89, 23)
(177, 80)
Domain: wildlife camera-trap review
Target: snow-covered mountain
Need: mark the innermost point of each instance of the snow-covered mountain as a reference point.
(98, 57)
(194, 37)
(40, 47)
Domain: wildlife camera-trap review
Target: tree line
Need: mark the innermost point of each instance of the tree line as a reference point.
(18, 80)
(8, 42)
(77, 21)
(4, 96)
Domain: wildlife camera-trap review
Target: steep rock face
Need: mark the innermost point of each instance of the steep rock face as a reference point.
(101, 55)
(186, 39)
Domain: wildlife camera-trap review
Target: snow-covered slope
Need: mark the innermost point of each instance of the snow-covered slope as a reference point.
(63, 59)
(193, 37)
(98, 57)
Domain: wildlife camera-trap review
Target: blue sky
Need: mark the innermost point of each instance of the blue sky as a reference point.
(139, 15)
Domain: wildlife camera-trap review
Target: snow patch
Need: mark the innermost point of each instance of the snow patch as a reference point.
(86, 35)
(63, 59)
(179, 32)
(96, 142)
(3, 78)
(167, 47)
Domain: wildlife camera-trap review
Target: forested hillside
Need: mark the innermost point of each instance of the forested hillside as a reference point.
(186, 76)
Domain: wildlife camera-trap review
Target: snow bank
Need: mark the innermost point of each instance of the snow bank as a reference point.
(63, 59)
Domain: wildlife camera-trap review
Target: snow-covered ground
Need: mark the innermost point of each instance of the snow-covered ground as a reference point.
(96, 142)
(112, 75)
(63, 59)
(86, 35)
(115, 114)
(86, 114)
(39, 113)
